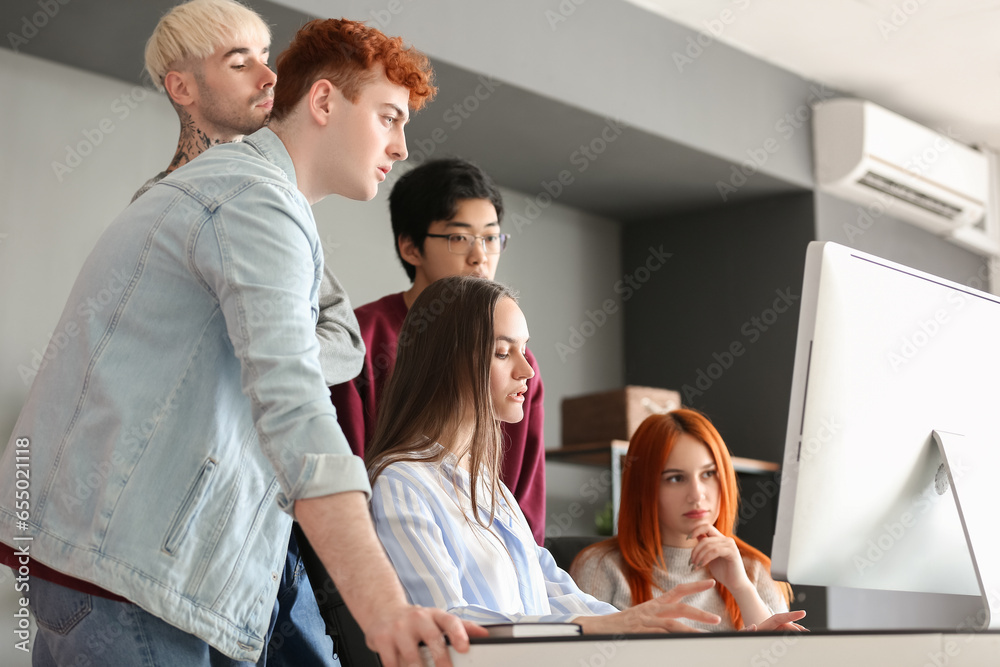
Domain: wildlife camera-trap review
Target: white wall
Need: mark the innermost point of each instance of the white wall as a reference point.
(49, 222)
(869, 229)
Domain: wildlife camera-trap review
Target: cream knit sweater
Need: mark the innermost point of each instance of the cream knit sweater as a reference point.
(599, 572)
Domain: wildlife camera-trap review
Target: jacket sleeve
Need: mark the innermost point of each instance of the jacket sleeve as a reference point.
(259, 256)
(341, 350)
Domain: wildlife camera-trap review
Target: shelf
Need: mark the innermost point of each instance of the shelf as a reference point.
(599, 454)
(588, 453)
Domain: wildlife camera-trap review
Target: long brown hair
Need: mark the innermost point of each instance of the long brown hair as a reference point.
(442, 374)
(639, 539)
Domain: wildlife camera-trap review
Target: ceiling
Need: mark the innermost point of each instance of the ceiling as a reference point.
(521, 138)
(938, 63)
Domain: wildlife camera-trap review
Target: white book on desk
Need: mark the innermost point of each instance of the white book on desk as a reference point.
(516, 631)
(533, 629)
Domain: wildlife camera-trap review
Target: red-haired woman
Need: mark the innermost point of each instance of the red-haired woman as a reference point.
(675, 526)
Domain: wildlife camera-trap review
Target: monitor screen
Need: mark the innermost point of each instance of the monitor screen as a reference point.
(885, 355)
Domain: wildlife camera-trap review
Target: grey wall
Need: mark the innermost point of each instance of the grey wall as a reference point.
(718, 321)
(874, 229)
(857, 609)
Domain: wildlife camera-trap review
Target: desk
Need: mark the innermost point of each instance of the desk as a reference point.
(812, 649)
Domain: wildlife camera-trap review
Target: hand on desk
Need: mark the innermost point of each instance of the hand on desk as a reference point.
(395, 636)
(657, 615)
(784, 622)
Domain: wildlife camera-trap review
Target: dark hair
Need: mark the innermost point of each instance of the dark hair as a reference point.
(432, 192)
(442, 373)
(349, 54)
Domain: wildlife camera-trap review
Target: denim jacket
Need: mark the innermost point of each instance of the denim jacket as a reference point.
(181, 408)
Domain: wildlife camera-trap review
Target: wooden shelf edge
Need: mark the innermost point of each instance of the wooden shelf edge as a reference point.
(599, 454)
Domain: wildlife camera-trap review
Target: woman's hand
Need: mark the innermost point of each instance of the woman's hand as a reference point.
(722, 558)
(784, 622)
(657, 615)
(720, 554)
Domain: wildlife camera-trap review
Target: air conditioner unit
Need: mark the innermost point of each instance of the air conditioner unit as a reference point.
(875, 157)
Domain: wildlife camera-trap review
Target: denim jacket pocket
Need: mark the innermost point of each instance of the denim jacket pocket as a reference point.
(57, 608)
(189, 508)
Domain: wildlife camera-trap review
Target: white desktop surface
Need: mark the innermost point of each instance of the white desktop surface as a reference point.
(840, 649)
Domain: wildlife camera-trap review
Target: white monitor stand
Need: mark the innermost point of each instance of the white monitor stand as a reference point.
(973, 474)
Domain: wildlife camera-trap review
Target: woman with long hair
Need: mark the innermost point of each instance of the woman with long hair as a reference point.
(675, 526)
(451, 528)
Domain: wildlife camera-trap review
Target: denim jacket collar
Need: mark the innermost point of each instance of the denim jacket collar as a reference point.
(270, 145)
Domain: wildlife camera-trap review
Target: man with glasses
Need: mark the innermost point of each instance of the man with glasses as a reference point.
(446, 221)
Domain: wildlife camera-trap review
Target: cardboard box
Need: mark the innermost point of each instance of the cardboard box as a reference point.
(613, 415)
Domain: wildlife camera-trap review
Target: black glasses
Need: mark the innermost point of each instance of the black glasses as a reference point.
(461, 244)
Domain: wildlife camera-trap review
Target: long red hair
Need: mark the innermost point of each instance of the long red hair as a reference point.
(638, 538)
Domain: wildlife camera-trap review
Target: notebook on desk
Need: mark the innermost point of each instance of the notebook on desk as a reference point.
(498, 630)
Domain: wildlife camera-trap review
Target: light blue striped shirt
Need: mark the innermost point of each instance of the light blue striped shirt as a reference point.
(484, 575)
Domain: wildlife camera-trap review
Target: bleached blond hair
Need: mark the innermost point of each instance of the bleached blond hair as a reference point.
(195, 29)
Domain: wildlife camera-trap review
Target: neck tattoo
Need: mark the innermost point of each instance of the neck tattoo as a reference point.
(192, 143)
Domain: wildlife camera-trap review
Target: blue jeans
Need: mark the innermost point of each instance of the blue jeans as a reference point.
(80, 630)
(297, 636)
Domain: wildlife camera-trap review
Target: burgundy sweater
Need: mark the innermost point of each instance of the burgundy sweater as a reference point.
(357, 403)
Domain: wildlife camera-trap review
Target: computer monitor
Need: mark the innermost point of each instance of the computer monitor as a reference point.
(894, 412)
